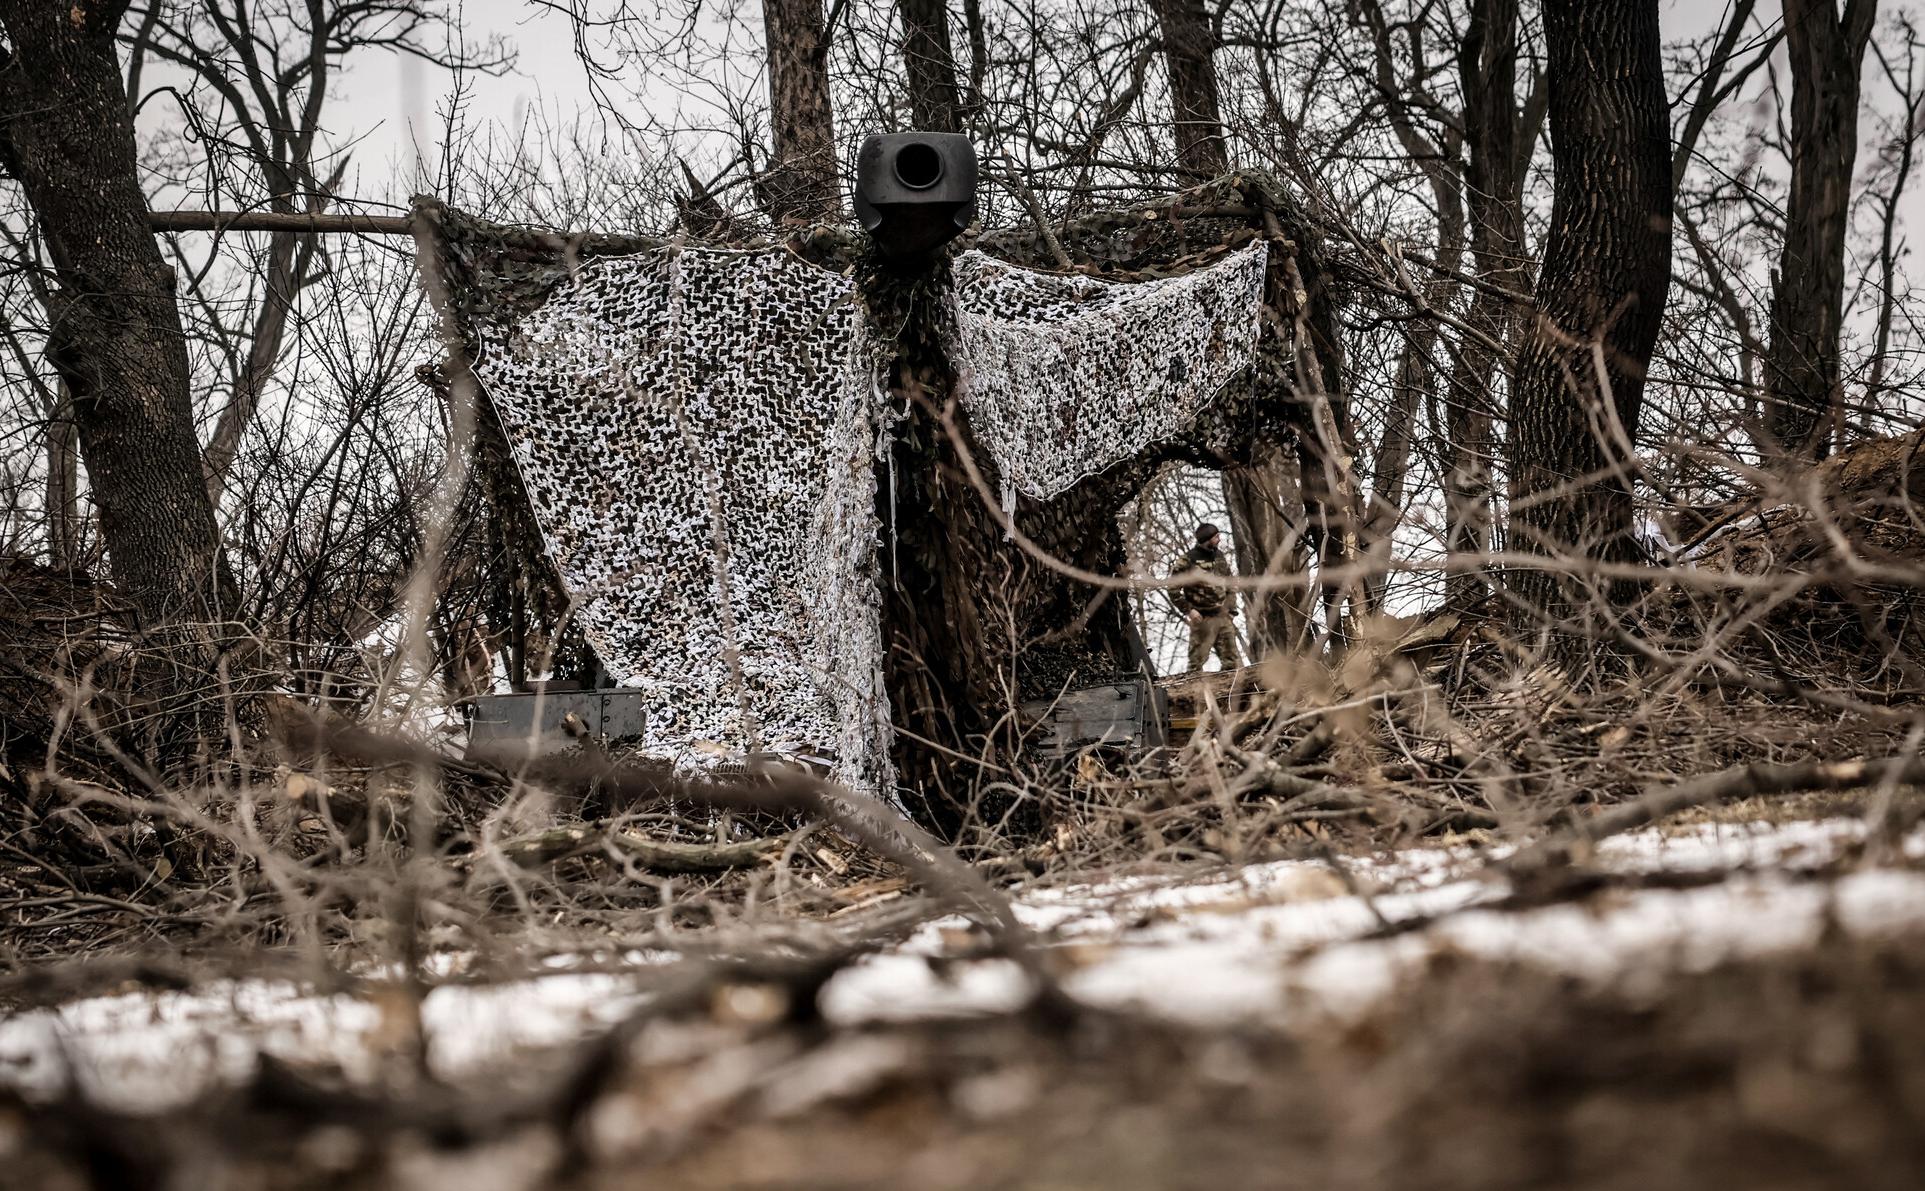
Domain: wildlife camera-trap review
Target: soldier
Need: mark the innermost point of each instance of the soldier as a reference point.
(1206, 606)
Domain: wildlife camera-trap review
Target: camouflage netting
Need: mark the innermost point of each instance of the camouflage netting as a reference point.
(694, 431)
(1066, 376)
(946, 573)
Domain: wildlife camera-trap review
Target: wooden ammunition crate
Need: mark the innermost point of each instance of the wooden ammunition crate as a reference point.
(1120, 714)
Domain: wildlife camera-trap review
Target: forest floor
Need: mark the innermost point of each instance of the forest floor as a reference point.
(1736, 997)
(1432, 918)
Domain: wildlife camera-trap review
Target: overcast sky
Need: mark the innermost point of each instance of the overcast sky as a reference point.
(391, 104)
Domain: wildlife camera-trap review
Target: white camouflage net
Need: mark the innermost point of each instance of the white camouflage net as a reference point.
(680, 414)
(1065, 376)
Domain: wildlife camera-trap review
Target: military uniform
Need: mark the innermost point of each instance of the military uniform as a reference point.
(1215, 628)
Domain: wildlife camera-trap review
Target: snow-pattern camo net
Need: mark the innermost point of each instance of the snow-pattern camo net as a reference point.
(679, 413)
(1064, 377)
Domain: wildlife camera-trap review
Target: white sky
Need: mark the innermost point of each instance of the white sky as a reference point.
(391, 103)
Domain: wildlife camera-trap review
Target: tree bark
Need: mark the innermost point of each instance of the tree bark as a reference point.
(1804, 398)
(63, 483)
(972, 624)
(801, 184)
(935, 103)
(1497, 145)
(1600, 296)
(1260, 498)
(67, 136)
(1189, 41)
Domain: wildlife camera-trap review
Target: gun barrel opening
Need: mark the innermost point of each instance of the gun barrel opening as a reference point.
(919, 166)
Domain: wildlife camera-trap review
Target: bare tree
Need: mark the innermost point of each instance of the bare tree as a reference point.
(1600, 294)
(1196, 117)
(1498, 139)
(116, 339)
(259, 79)
(1804, 399)
(1264, 497)
(935, 102)
(1897, 161)
(802, 182)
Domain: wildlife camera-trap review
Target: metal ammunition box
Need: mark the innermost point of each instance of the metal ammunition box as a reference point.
(539, 721)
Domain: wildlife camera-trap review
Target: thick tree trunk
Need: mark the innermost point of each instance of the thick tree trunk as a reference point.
(802, 183)
(1804, 399)
(1498, 145)
(1196, 113)
(976, 622)
(1600, 296)
(973, 624)
(935, 104)
(68, 138)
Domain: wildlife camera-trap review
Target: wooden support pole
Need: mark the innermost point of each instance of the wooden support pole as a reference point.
(277, 221)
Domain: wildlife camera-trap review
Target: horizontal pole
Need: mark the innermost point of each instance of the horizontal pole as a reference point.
(278, 221)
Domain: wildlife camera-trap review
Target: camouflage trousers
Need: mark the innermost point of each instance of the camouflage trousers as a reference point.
(1215, 632)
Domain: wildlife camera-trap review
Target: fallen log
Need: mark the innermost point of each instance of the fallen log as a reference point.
(669, 856)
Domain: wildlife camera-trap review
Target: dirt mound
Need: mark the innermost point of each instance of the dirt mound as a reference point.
(1860, 510)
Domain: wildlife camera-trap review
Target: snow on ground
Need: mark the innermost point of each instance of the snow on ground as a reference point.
(156, 1048)
(1270, 942)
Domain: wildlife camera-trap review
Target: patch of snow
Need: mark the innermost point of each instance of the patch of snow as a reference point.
(153, 1049)
(906, 987)
(1268, 941)
(1273, 942)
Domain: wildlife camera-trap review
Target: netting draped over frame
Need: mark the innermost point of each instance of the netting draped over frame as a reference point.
(1064, 376)
(681, 415)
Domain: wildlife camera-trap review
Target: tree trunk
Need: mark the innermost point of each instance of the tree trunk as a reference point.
(1411, 386)
(1600, 296)
(68, 139)
(63, 483)
(801, 184)
(934, 102)
(972, 624)
(1189, 40)
(1498, 146)
(1803, 396)
(1261, 498)
(1262, 537)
